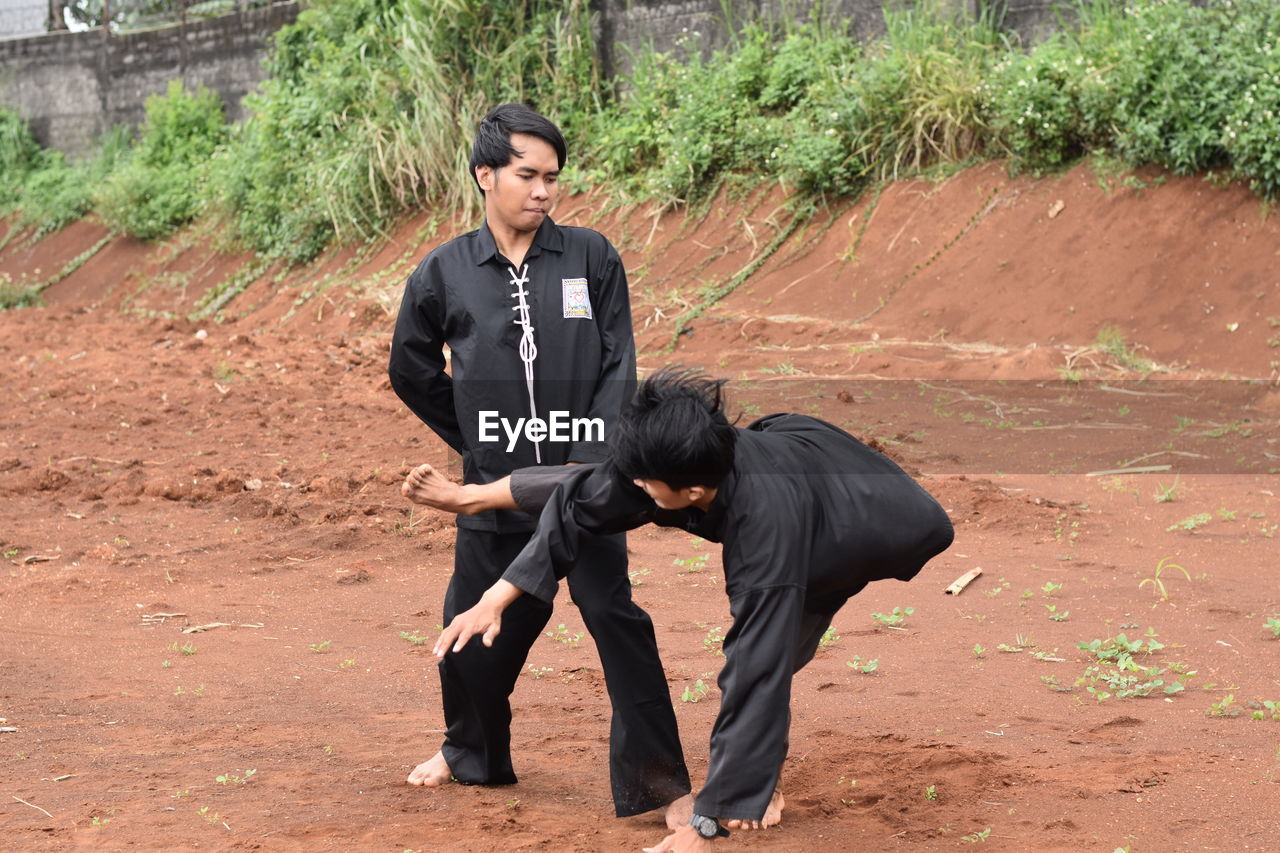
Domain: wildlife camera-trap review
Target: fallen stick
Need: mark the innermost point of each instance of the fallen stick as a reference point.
(964, 580)
(196, 629)
(25, 803)
(1142, 469)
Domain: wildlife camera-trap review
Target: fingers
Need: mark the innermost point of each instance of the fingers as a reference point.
(453, 637)
(492, 633)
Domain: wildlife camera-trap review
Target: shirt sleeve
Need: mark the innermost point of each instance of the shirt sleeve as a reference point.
(588, 500)
(417, 356)
(616, 380)
(750, 735)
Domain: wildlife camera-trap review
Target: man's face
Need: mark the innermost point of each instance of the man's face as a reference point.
(522, 193)
(668, 498)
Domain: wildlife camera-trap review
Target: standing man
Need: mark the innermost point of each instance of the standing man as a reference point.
(538, 322)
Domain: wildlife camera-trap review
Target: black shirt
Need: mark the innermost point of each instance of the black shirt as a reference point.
(807, 516)
(574, 354)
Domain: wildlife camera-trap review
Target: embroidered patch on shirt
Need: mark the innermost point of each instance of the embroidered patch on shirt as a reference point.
(577, 301)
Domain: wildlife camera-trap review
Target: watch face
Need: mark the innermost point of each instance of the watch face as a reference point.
(706, 826)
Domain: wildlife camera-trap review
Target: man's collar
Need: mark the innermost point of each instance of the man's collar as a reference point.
(548, 238)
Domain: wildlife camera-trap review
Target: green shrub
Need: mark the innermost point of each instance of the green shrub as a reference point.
(158, 188)
(20, 155)
(60, 193)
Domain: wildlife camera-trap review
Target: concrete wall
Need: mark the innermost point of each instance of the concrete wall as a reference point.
(71, 87)
(627, 26)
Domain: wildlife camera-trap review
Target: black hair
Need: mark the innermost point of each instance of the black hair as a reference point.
(675, 430)
(492, 145)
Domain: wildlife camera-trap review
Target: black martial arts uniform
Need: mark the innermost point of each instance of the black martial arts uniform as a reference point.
(808, 516)
(551, 336)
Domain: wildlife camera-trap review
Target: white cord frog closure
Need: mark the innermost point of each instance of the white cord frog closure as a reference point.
(528, 348)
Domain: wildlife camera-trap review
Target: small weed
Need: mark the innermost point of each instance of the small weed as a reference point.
(210, 816)
(1055, 615)
(714, 641)
(11, 552)
(414, 637)
(1226, 514)
(1051, 681)
(637, 577)
(539, 671)
(829, 638)
(1050, 587)
(561, 635)
(895, 618)
(931, 792)
(320, 647)
(1273, 625)
(1222, 708)
(1111, 341)
(978, 650)
(865, 667)
(1192, 522)
(1166, 494)
(347, 664)
(1264, 709)
(691, 565)
(695, 692)
(1157, 582)
(187, 648)
(977, 836)
(1001, 586)
(232, 779)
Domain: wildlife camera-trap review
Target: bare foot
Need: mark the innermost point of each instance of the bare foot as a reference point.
(431, 773)
(772, 815)
(678, 812)
(425, 485)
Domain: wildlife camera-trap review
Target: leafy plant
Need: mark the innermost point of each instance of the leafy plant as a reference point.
(894, 618)
(1273, 625)
(232, 779)
(1055, 615)
(1268, 708)
(1191, 523)
(714, 641)
(561, 634)
(866, 667)
(1222, 708)
(829, 638)
(695, 692)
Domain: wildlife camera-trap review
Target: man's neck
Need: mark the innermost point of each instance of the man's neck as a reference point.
(512, 244)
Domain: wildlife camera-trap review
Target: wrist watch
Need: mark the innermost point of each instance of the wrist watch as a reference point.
(708, 827)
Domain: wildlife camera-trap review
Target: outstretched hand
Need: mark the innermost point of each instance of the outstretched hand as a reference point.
(485, 619)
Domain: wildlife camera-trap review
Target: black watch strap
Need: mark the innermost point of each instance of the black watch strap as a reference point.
(708, 827)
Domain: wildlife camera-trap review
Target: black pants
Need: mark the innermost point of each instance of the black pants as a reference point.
(646, 765)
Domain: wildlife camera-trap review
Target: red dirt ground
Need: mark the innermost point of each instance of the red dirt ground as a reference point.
(156, 479)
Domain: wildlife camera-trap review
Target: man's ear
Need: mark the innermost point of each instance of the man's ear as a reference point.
(695, 493)
(484, 177)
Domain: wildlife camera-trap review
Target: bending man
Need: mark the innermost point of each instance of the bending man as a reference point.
(807, 516)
